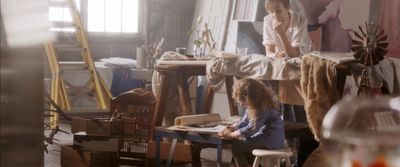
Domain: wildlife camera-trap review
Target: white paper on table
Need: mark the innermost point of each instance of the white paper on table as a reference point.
(215, 129)
(119, 62)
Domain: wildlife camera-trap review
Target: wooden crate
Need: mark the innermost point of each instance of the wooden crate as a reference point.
(78, 124)
(79, 158)
(98, 126)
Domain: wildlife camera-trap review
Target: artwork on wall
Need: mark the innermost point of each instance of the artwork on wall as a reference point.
(216, 14)
(245, 34)
(250, 36)
(390, 21)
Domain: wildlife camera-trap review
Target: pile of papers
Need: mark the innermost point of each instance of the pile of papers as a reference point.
(117, 62)
(335, 56)
(210, 130)
(203, 123)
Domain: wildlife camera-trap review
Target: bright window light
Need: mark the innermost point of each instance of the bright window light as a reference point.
(63, 29)
(96, 15)
(61, 14)
(113, 16)
(130, 17)
(103, 16)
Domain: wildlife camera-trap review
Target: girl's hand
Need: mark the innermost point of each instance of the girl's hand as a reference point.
(234, 135)
(224, 132)
(230, 135)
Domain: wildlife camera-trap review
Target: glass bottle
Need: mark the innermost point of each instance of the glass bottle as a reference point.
(197, 50)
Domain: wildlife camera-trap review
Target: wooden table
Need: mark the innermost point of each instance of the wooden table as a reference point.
(181, 72)
(205, 140)
(194, 137)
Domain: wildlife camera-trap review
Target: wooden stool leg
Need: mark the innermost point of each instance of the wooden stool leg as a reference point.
(267, 161)
(278, 162)
(256, 161)
(287, 162)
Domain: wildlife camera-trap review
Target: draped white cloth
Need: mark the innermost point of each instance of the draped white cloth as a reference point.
(251, 66)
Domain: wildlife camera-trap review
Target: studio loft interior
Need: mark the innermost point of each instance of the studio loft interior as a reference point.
(99, 83)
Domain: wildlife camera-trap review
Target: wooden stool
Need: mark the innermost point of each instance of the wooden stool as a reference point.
(276, 155)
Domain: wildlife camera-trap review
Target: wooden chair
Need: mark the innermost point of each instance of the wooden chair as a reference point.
(272, 155)
(137, 108)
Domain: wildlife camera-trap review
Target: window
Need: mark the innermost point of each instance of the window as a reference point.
(103, 16)
(59, 12)
(113, 16)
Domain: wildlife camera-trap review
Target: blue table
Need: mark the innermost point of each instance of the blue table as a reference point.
(203, 138)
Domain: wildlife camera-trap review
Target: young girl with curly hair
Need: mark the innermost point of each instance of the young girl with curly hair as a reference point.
(261, 126)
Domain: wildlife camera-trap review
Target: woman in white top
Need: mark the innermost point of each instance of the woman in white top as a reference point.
(285, 32)
(285, 36)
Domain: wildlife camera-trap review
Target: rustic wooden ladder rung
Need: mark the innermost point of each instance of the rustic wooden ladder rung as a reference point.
(60, 88)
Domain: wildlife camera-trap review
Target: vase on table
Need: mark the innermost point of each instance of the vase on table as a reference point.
(151, 63)
(198, 51)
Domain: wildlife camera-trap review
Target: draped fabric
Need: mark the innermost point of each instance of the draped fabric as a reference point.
(260, 67)
(318, 83)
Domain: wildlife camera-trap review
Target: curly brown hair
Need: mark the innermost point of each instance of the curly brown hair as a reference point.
(256, 95)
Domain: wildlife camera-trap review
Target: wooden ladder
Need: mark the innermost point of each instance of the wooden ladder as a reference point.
(94, 89)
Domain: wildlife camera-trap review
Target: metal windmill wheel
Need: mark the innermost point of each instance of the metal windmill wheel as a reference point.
(369, 46)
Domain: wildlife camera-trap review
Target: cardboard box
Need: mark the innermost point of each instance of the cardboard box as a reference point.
(79, 158)
(98, 143)
(98, 126)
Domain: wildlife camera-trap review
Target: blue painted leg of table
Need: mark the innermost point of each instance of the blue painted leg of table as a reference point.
(158, 140)
(219, 155)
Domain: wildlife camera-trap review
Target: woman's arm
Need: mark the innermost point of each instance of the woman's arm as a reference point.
(270, 50)
(289, 49)
(268, 40)
(286, 43)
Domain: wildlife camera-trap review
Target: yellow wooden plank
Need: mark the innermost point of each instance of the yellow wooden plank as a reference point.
(64, 96)
(102, 92)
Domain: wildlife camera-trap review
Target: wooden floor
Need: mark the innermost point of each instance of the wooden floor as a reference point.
(52, 159)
